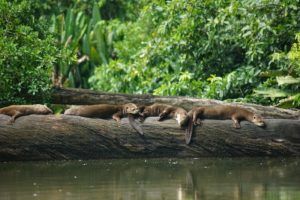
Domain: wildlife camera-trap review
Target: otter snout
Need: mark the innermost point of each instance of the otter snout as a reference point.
(134, 111)
(145, 113)
(258, 120)
(131, 108)
(259, 123)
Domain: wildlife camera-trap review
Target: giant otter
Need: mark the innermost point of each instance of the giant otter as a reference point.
(237, 114)
(16, 111)
(105, 111)
(164, 111)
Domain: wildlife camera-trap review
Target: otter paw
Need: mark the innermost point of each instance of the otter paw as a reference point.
(198, 122)
(9, 123)
(141, 119)
(237, 126)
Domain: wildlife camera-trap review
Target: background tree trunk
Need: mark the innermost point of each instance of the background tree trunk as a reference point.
(83, 96)
(54, 137)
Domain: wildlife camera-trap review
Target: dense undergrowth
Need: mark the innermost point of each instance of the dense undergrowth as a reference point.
(229, 50)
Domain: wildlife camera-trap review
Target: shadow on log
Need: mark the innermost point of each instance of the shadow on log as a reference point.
(51, 137)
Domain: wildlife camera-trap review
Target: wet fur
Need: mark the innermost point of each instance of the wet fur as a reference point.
(105, 111)
(164, 111)
(16, 111)
(222, 112)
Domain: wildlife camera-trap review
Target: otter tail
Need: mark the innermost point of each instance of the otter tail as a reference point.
(189, 131)
(134, 125)
(49, 111)
(68, 112)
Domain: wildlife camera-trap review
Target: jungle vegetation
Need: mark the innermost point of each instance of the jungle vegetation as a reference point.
(247, 51)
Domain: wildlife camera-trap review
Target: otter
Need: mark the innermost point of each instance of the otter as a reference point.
(237, 114)
(16, 111)
(164, 111)
(105, 111)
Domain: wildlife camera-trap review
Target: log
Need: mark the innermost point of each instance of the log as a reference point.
(59, 137)
(83, 96)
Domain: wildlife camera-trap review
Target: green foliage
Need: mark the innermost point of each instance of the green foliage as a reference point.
(108, 9)
(27, 53)
(86, 38)
(70, 29)
(283, 85)
(210, 49)
(228, 50)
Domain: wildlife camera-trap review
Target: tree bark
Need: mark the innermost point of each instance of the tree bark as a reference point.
(57, 137)
(83, 96)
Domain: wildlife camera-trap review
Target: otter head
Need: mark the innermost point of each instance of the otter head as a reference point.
(146, 112)
(181, 118)
(258, 120)
(131, 108)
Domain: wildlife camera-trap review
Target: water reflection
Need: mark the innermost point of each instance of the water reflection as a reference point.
(205, 179)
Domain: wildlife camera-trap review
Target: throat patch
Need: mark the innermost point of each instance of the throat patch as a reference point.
(178, 118)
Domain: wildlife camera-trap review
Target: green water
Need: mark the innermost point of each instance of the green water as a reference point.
(181, 179)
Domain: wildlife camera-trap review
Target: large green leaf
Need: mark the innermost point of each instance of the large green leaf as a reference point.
(272, 93)
(99, 40)
(69, 23)
(272, 73)
(287, 80)
(96, 17)
(291, 101)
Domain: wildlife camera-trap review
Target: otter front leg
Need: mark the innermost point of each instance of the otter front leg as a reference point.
(141, 117)
(134, 125)
(117, 116)
(14, 117)
(196, 119)
(236, 122)
(164, 114)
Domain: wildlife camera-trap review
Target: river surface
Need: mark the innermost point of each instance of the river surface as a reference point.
(139, 179)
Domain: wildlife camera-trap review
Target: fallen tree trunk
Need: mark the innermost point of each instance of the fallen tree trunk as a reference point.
(83, 96)
(56, 137)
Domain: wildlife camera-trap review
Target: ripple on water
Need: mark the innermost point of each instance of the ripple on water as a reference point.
(195, 178)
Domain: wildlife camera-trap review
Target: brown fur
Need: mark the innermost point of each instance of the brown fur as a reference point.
(16, 111)
(103, 111)
(164, 111)
(235, 113)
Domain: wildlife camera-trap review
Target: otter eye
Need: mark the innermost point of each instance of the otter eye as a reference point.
(254, 117)
(126, 108)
